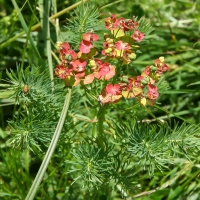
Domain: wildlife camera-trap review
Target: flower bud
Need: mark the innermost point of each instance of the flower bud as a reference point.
(58, 44)
(143, 101)
(145, 81)
(153, 68)
(108, 50)
(124, 79)
(26, 88)
(132, 56)
(162, 59)
(92, 63)
(68, 57)
(109, 40)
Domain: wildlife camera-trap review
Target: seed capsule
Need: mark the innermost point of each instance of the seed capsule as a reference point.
(26, 89)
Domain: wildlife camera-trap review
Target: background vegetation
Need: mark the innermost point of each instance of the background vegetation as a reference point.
(176, 36)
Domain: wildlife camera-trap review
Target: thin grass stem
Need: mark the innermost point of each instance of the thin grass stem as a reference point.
(32, 192)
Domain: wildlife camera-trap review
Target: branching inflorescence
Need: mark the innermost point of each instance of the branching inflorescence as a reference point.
(119, 45)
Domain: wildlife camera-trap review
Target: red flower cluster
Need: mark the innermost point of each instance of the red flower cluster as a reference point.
(141, 87)
(84, 67)
(119, 44)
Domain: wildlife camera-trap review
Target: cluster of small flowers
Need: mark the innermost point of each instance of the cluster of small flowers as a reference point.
(141, 87)
(83, 68)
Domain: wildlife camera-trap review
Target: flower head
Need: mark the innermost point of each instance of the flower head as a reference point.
(152, 92)
(112, 93)
(104, 70)
(161, 66)
(128, 24)
(112, 22)
(90, 37)
(62, 72)
(78, 65)
(138, 36)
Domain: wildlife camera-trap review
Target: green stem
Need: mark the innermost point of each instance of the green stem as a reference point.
(46, 29)
(101, 119)
(52, 146)
(174, 114)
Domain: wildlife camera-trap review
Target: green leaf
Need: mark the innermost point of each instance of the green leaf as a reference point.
(6, 94)
(180, 91)
(196, 83)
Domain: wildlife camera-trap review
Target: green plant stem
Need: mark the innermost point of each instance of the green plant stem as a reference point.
(46, 30)
(52, 146)
(101, 119)
(173, 114)
(25, 27)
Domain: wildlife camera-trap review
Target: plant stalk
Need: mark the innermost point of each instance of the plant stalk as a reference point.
(101, 119)
(32, 192)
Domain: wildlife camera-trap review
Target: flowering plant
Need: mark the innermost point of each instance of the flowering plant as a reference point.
(103, 141)
(90, 64)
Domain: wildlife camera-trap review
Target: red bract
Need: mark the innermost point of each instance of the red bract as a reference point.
(78, 77)
(146, 71)
(152, 92)
(103, 70)
(90, 37)
(137, 82)
(115, 89)
(63, 46)
(78, 65)
(85, 46)
(112, 22)
(88, 79)
(86, 43)
(110, 94)
(138, 36)
(62, 72)
(66, 56)
(122, 45)
(128, 24)
(159, 63)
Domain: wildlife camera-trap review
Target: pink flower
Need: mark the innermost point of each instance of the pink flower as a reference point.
(159, 63)
(110, 94)
(62, 71)
(128, 24)
(137, 82)
(147, 71)
(152, 92)
(122, 46)
(63, 46)
(138, 36)
(90, 37)
(86, 43)
(88, 79)
(78, 65)
(103, 70)
(112, 22)
(115, 89)
(85, 46)
(66, 56)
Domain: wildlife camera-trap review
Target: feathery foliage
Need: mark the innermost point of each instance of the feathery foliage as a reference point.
(116, 151)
